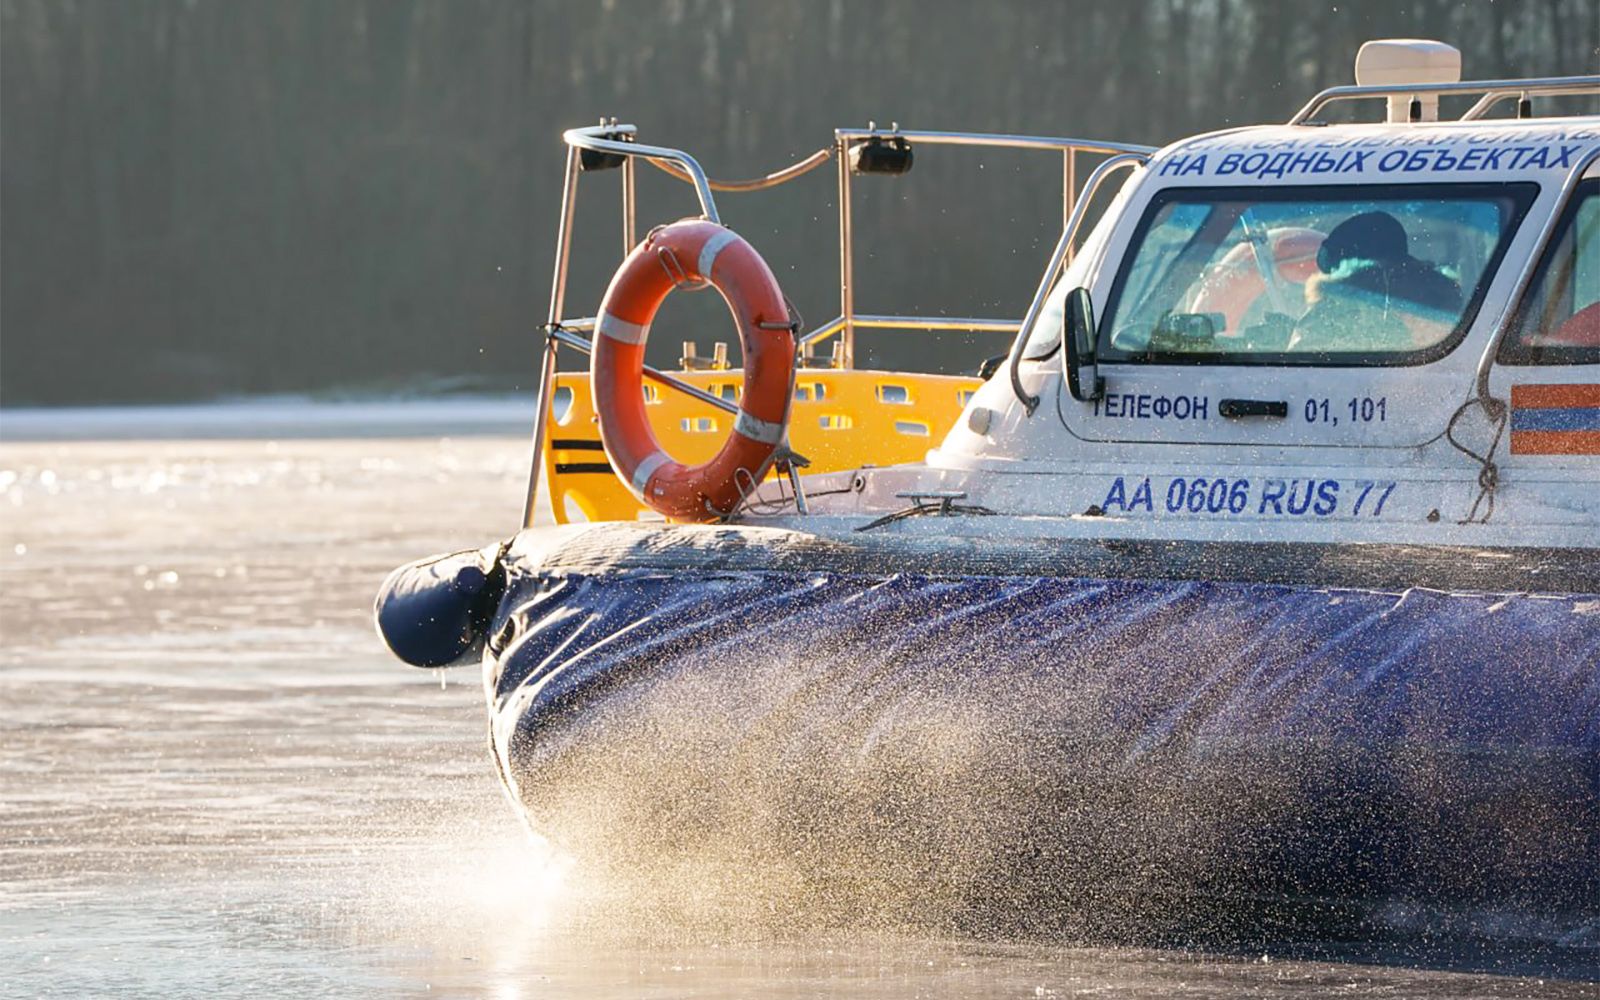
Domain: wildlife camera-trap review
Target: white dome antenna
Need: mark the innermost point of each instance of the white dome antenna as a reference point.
(1395, 62)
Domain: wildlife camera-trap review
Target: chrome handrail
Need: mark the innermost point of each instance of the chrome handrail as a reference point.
(597, 138)
(566, 334)
(975, 324)
(1513, 302)
(600, 138)
(1122, 161)
(787, 461)
(558, 294)
(1489, 100)
(885, 322)
(1498, 90)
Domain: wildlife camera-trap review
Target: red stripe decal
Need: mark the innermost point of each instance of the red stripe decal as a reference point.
(1555, 442)
(1538, 397)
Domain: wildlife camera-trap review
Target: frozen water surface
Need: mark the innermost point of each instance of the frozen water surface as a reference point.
(216, 780)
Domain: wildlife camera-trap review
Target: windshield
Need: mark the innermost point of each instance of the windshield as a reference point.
(1351, 275)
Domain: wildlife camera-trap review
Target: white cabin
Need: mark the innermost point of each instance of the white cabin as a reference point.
(1385, 332)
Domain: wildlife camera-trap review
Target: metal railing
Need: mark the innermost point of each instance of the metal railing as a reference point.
(605, 139)
(884, 322)
(1493, 92)
(619, 140)
(568, 333)
(1069, 148)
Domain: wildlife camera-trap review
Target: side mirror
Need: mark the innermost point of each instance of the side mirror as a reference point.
(1077, 355)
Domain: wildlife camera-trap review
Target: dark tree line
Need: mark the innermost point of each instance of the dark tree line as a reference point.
(203, 197)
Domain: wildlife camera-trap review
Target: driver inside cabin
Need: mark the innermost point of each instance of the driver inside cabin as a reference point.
(1370, 294)
(1325, 276)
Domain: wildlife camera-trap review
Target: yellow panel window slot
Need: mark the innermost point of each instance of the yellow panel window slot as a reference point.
(964, 396)
(895, 395)
(698, 425)
(915, 427)
(574, 510)
(835, 422)
(561, 404)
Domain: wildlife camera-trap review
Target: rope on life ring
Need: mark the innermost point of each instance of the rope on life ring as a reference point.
(691, 254)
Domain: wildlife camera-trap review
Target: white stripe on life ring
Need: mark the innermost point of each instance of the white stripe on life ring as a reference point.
(621, 330)
(708, 253)
(757, 429)
(646, 469)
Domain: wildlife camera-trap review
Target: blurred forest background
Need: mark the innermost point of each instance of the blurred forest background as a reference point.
(204, 198)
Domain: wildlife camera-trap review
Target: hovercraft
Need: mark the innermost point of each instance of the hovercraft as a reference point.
(1261, 575)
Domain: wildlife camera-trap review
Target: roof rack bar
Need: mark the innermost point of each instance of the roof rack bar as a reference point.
(1487, 102)
(1494, 91)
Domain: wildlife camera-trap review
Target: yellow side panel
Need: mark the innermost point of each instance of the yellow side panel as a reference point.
(840, 420)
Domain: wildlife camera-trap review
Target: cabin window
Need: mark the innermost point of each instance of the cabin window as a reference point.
(1558, 322)
(1353, 275)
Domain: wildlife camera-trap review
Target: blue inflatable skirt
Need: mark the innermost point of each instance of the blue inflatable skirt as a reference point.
(1061, 751)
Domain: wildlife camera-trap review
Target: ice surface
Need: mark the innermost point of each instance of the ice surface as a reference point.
(216, 780)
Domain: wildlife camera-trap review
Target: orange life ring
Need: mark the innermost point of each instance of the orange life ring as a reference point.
(1232, 285)
(688, 254)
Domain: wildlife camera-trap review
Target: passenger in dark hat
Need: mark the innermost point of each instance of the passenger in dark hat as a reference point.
(1368, 289)
(1375, 236)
